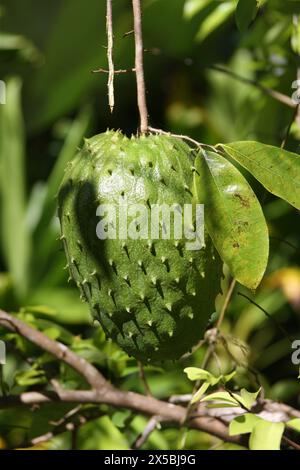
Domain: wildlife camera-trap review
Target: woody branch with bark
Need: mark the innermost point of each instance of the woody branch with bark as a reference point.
(101, 392)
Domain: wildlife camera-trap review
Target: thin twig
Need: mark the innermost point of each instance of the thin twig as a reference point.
(143, 379)
(276, 95)
(139, 65)
(283, 331)
(281, 97)
(128, 33)
(74, 435)
(226, 303)
(143, 437)
(116, 72)
(288, 131)
(177, 136)
(291, 443)
(181, 137)
(110, 49)
(70, 422)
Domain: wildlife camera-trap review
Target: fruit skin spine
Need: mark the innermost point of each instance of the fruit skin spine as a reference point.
(152, 297)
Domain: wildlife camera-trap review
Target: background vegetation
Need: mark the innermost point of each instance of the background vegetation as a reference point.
(211, 75)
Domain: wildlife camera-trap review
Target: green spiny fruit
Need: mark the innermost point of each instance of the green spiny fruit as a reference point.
(152, 297)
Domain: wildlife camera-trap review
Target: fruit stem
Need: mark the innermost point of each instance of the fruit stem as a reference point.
(139, 65)
(110, 46)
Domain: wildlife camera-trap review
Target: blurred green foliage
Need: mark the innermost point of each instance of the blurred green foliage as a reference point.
(47, 52)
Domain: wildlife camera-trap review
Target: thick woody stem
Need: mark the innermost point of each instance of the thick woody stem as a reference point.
(139, 65)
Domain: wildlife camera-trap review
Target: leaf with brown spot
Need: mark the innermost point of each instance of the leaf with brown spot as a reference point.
(276, 169)
(233, 217)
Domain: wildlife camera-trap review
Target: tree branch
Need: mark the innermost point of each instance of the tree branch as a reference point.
(102, 392)
(139, 65)
(93, 377)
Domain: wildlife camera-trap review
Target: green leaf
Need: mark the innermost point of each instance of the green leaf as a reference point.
(266, 436)
(233, 217)
(247, 398)
(44, 237)
(294, 424)
(230, 446)
(10, 42)
(30, 377)
(63, 303)
(15, 236)
(295, 37)
(199, 394)
(287, 6)
(74, 138)
(276, 169)
(261, 3)
(192, 7)
(194, 373)
(221, 13)
(52, 333)
(119, 418)
(245, 13)
(67, 74)
(222, 397)
(228, 377)
(243, 424)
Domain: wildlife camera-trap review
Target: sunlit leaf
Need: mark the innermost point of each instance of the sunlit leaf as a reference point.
(294, 424)
(243, 424)
(266, 436)
(199, 394)
(233, 217)
(194, 373)
(215, 19)
(192, 7)
(277, 170)
(247, 398)
(295, 37)
(223, 398)
(30, 377)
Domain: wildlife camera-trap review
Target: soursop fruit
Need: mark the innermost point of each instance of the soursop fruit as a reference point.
(153, 297)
